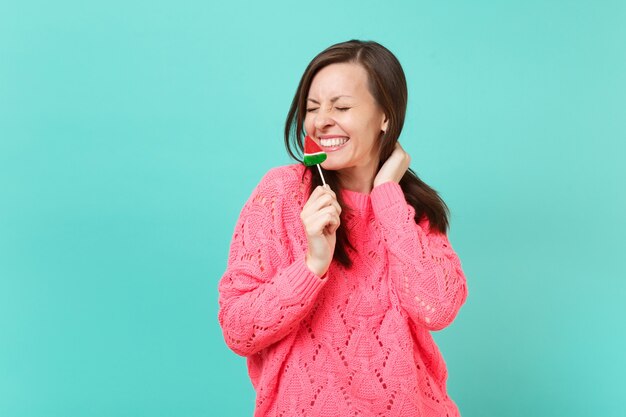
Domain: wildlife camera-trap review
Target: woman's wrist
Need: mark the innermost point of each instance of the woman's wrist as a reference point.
(315, 266)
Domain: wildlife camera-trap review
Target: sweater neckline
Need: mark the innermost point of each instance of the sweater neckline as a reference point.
(356, 200)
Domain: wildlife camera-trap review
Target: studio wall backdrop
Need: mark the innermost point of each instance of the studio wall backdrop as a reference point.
(132, 133)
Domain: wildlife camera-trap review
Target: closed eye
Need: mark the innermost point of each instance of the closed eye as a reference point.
(312, 109)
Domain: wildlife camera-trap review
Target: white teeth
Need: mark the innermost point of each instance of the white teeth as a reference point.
(333, 142)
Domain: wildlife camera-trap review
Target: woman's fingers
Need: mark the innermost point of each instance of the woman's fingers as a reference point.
(317, 194)
(319, 199)
(318, 191)
(394, 168)
(324, 221)
(320, 217)
(333, 225)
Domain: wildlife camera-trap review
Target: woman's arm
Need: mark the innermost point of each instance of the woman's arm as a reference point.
(425, 270)
(266, 290)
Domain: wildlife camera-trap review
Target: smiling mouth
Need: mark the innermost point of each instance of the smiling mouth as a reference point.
(332, 144)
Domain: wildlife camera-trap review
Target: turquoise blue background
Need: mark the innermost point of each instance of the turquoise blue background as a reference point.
(132, 133)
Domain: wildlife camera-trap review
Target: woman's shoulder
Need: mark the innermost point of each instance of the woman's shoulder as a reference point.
(291, 173)
(287, 181)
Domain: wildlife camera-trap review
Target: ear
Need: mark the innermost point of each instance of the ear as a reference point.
(384, 124)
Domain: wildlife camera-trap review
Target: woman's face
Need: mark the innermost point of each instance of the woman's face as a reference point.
(344, 119)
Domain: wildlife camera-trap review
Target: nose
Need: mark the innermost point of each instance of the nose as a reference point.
(323, 120)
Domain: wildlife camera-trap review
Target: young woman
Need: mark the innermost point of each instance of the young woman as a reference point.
(331, 292)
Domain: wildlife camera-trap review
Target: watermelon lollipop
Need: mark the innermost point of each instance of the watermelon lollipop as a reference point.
(313, 155)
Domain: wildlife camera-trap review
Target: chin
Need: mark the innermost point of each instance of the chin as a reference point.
(332, 165)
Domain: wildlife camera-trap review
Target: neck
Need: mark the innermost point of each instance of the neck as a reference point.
(359, 179)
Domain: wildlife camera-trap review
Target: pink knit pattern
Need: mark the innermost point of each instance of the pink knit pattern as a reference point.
(354, 342)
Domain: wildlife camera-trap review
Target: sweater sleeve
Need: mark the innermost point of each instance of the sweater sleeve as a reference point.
(425, 270)
(265, 290)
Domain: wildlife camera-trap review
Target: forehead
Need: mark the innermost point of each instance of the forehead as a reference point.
(339, 79)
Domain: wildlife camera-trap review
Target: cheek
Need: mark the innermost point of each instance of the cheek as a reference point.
(308, 124)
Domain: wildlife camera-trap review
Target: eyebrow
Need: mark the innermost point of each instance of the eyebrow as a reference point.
(332, 100)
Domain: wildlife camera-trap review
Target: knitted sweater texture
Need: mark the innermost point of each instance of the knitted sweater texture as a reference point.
(353, 342)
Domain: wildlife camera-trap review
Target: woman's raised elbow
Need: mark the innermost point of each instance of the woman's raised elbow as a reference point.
(241, 348)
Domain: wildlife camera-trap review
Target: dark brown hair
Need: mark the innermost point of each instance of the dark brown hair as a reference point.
(387, 84)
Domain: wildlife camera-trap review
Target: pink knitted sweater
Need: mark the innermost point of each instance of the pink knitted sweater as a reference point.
(354, 342)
